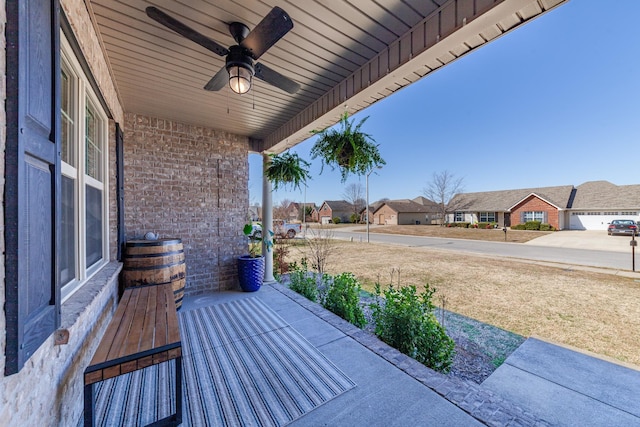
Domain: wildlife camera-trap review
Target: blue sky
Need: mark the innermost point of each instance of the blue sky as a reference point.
(555, 102)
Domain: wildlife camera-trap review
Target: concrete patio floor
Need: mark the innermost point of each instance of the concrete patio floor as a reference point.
(391, 388)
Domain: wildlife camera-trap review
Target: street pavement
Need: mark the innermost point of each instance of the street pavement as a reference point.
(579, 248)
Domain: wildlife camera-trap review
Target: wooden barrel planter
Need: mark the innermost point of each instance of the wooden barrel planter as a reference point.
(155, 262)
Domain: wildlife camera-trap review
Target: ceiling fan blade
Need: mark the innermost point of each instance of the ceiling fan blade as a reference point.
(184, 30)
(218, 81)
(271, 29)
(276, 79)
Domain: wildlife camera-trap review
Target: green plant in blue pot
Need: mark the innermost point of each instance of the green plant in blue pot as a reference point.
(251, 266)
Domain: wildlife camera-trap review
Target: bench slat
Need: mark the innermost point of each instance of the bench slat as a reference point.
(161, 320)
(173, 327)
(143, 339)
(102, 351)
(123, 326)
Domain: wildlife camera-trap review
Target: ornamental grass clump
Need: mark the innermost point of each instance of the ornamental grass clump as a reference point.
(405, 320)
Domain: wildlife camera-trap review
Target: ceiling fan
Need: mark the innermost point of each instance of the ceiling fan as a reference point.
(240, 68)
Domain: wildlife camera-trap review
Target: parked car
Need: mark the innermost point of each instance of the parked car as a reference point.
(281, 229)
(256, 231)
(622, 226)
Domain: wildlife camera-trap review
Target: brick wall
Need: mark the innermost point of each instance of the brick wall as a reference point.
(325, 211)
(385, 215)
(534, 203)
(191, 183)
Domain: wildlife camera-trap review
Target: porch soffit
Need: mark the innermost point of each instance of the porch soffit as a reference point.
(343, 55)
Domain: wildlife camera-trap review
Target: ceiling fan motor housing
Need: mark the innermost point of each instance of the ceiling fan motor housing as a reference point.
(238, 57)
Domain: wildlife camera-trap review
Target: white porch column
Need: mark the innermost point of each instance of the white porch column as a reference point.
(267, 224)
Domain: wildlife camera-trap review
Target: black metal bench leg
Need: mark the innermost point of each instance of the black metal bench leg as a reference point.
(89, 405)
(178, 366)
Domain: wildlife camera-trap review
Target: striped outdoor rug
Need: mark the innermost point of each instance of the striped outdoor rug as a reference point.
(243, 365)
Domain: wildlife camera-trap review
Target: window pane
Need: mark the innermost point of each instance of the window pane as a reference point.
(67, 119)
(534, 216)
(94, 225)
(93, 145)
(68, 247)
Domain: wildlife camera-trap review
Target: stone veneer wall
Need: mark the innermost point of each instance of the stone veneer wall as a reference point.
(191, 183)
(48, 390)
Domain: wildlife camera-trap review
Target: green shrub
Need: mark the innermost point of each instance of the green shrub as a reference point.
(484, 225)
(303, 282)
(532, 225)
(460, 224)
(336, 220)
(406, 321)
(354, 218)
(518, 227)
(342, 297)
(546, 227)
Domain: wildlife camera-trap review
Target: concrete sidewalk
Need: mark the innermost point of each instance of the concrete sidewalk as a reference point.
(568, 387)
(391, 388)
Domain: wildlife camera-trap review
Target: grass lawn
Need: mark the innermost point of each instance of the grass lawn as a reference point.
(592, 311)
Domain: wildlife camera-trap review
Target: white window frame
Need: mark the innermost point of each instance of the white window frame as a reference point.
(533, 216)
(84, 95)
(487, 217)
(458, 217)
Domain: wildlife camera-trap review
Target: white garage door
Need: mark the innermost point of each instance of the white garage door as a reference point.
(589, 222)
(596, 221)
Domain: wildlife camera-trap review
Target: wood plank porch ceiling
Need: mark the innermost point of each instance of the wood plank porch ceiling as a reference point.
(343, 53)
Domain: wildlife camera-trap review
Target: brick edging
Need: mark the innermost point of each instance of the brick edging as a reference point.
(480, 403)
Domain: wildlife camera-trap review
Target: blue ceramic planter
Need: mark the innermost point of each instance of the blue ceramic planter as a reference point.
(250, 273)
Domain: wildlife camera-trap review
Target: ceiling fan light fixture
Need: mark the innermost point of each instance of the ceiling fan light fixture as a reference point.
(239, 78)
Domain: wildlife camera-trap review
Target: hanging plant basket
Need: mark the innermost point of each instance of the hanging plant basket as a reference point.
(347, 148)
(287, 169)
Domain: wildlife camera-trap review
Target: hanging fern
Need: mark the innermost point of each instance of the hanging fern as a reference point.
(348, 148)
(287, 169)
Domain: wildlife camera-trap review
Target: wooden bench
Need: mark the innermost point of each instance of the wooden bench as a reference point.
(144, 331)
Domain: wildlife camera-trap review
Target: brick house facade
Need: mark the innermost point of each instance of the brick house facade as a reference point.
(188, 182)
(331, 209)
(404, 212)
(534, 203)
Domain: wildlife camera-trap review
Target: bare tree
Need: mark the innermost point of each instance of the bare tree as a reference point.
(320, 246)
(281, 210)
(441, 189)
(354, 194)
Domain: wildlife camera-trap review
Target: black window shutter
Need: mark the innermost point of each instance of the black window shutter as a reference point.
(32, 186)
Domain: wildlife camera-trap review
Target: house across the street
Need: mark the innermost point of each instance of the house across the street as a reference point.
(589, 206)
(331, 209)
(405, 212)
